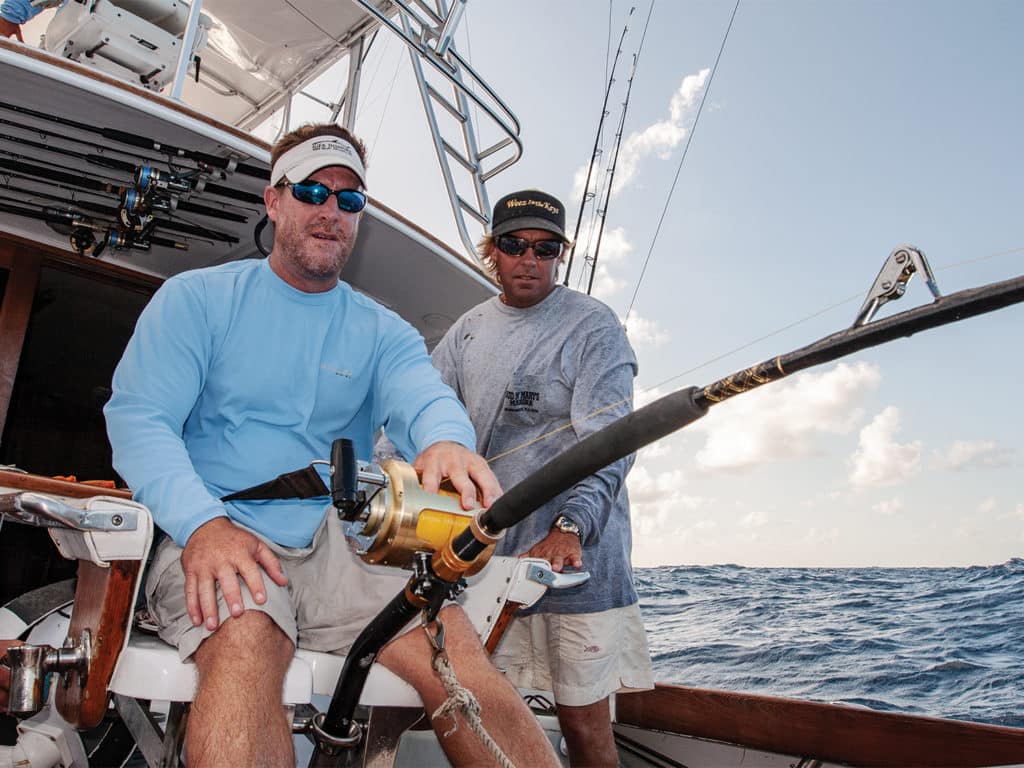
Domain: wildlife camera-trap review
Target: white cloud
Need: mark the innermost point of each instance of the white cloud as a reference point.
(782, 420)
(889, 507)
(972, 454)
(615, 249)
(987, 505)
(642, 397)
(879, 459)
(659, 138)
(657, 502)
(819, 537)
(756, 518)
(643, 332)
(654, 450)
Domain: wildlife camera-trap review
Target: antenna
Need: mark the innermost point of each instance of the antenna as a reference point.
(587, 194)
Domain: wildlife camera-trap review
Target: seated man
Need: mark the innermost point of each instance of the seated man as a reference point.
(240, 372)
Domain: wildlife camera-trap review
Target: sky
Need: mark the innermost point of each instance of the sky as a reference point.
(830, 134)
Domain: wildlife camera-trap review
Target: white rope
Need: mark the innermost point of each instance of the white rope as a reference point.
(462, 700)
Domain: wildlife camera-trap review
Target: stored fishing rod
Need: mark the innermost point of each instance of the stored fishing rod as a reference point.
(229, 165)
(587, 194)
(142, 159)
(185, 182)
(113, 213)
(337, 730)
(111, 187)
(82, 231)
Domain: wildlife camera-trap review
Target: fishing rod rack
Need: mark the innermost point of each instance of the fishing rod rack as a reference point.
(150, 192)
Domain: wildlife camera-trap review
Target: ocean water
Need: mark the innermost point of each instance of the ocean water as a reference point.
(945, 642)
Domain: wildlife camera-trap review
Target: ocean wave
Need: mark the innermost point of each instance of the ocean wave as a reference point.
(938, 641)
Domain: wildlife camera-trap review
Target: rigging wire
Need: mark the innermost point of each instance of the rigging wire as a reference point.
(387, 101)
(679, 169)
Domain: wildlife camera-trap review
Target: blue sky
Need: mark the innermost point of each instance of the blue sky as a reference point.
(832, 133)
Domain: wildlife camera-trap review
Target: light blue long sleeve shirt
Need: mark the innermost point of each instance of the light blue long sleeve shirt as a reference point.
(233, 377)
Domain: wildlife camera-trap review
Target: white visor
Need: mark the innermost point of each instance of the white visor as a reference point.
(301, 162)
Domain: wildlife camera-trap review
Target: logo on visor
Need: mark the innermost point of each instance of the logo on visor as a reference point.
(333, 146)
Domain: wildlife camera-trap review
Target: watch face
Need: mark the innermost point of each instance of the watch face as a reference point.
(565, 525)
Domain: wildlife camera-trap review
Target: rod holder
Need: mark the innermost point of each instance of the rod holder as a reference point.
(30, 665)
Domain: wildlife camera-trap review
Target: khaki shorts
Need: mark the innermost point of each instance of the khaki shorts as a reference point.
(330, 597)
(580, 657)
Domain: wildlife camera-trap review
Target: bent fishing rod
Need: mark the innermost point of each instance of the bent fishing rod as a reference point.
(437, 577)
(229, 164)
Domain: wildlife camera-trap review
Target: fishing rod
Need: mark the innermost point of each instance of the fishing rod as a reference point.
(603, 210)
(229, 164)
(587, 194)
(148, 159)
(82, 231)
(113, 213)
(436, 577)
(134, 170)
(110, 186)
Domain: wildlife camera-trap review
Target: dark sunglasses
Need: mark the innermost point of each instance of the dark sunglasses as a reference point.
(315, 193)
(545, 250)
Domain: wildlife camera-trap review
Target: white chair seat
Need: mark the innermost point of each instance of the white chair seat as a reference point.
(149, 668)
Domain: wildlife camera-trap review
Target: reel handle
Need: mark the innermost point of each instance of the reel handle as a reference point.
(345, 494)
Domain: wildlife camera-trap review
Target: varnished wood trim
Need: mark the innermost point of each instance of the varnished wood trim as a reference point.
(40, 484)
(829, 732)
(68, 261)
(103, 605)
(14, 315)
(508, 612)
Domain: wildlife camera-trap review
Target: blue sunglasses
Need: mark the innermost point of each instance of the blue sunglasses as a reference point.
(315, 193)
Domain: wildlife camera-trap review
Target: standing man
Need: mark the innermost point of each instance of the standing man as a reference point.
(240, 372)
(539, 368)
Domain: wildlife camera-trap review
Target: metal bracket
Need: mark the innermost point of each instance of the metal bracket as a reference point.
(48, 512)
(542, 574)
(891, 282)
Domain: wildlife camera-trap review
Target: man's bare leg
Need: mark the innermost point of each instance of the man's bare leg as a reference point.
(237, 717)
(588, 735)
(504, 714)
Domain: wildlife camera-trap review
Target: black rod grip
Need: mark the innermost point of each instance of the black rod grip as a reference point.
(618, 439)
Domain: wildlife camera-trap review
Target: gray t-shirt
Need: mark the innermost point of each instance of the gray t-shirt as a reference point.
(527, 373)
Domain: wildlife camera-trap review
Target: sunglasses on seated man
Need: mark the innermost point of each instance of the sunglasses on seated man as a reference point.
(545, 250)
(315, 193)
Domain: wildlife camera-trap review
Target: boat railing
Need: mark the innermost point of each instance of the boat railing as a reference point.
(428, 34)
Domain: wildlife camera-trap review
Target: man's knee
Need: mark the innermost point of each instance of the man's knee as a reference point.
(251, 641)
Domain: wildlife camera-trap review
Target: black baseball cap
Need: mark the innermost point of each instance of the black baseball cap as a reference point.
(529, 209)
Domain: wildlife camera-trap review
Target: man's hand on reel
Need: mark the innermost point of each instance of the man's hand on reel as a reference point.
(466, 470)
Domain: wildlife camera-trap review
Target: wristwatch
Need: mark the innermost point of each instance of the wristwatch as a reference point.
(566, 525)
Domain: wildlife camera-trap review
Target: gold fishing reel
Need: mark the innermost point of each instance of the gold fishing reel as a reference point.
(398, 518)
